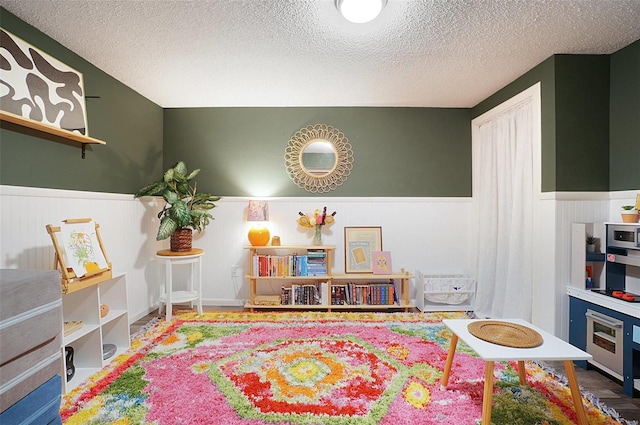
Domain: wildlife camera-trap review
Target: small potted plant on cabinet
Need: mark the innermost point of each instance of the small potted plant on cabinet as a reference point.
(629, 214)
(591, 244)
(185, 209)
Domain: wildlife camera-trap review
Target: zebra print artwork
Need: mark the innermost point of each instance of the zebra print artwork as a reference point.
(37, 86)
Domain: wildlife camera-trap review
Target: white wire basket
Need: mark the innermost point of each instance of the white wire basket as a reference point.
(444, 292)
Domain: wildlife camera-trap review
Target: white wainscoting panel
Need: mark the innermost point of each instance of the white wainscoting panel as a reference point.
(125, 227)
(543, 311)
(580, 208)
(430, 234)
(422, 233)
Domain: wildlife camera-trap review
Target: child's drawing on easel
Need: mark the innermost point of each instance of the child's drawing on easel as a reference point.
(80, 255)
(81, 249)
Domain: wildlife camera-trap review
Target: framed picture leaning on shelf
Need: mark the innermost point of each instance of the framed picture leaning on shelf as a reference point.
(359, 245)
(382, 262)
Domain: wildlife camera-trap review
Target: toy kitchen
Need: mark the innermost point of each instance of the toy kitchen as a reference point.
(604, 300)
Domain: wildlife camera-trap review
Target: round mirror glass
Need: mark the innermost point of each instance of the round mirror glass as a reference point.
(318, 157)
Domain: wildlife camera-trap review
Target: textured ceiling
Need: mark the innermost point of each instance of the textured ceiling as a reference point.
(431, 53)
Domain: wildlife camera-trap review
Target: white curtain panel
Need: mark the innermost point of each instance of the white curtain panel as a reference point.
(504, 214)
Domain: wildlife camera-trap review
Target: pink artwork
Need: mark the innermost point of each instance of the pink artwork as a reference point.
(382, 262)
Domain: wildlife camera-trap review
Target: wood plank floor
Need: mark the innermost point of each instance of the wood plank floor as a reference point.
(606, 389)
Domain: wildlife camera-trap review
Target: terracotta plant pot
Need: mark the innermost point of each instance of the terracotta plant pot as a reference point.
(630, 217)
(181, 240)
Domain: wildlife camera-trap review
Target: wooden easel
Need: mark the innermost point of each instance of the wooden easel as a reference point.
(70, 281)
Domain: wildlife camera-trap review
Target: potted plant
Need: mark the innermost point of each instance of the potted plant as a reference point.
(185, 209)
(591, 244)
(629, 214)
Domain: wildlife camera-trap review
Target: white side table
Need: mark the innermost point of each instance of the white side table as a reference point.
(194, 292)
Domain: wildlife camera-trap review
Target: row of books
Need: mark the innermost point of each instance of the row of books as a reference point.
(307, 294)
(314, 263)
(377, 293)
(364, 294)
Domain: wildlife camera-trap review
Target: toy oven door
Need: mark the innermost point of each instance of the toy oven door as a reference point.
(604, 340)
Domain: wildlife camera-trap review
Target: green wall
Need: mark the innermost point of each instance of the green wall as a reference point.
(582, 123)
(624, 134)
(590, 119)
(590, 136)
(130, 124)
(397, 151)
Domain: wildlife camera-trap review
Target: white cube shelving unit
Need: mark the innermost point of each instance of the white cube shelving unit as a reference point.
(87, 342)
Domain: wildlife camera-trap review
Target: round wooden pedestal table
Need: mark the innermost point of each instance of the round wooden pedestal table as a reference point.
(194, 291)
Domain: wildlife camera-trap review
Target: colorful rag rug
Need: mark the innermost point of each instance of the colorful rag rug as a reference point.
(311, 368)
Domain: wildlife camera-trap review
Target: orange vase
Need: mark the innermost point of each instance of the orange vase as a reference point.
(259, 236)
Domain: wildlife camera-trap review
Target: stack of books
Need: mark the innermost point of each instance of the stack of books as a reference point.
(316, 262)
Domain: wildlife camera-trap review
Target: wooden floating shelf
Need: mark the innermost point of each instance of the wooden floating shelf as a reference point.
(48, 129)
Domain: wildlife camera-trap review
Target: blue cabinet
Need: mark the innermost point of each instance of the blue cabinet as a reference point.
(578, 326)
(578, 332)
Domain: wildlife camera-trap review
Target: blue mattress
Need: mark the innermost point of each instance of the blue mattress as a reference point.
(40, 407)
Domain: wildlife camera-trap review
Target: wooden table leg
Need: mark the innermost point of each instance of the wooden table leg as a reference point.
(575, 392)
(522, 373)
(487, 397)
(447, 367)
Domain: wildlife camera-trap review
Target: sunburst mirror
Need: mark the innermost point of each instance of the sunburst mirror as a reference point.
(319, 158)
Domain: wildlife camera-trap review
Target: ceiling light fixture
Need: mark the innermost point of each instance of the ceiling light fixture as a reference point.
(360, 11)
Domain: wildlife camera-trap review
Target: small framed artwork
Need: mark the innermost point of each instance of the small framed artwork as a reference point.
(258, 211)
(382, 262)
(359, 245)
